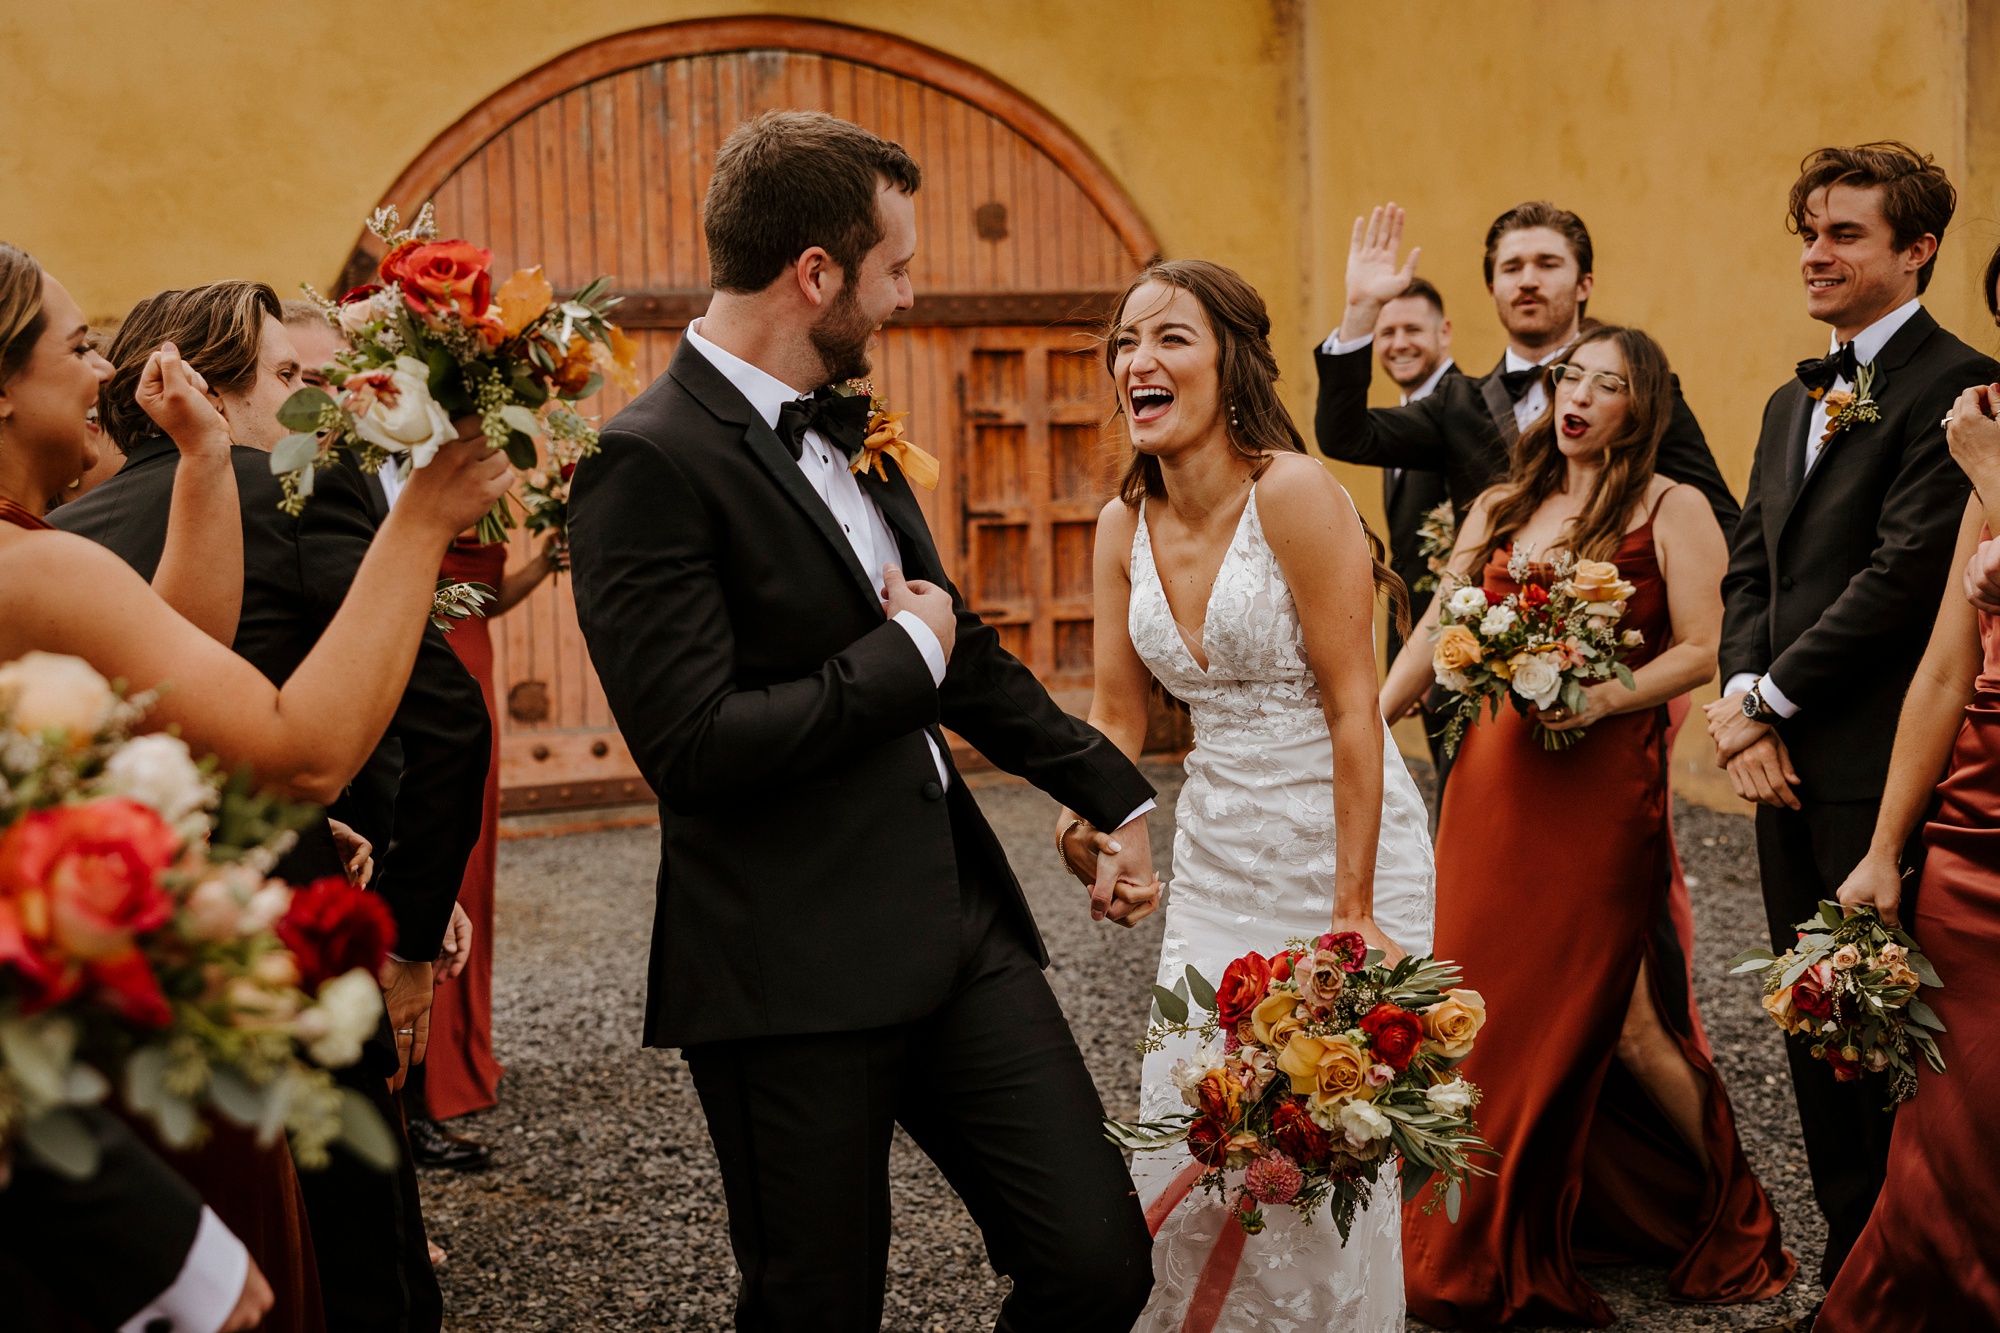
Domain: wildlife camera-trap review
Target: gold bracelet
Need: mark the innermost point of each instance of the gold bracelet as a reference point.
(1062, 845)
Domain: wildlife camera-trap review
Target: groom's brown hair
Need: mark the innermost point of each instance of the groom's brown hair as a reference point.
(791, 180)
(1917, 197)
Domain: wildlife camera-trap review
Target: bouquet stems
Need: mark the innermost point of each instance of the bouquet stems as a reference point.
(499, 521)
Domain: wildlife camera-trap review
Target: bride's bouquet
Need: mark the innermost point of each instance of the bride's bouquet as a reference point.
(1317, 1066)
(1534, 648)
(1849, 986)
(142, 941)
(434, 339)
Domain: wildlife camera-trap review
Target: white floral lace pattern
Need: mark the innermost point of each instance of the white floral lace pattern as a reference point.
(1254, 865)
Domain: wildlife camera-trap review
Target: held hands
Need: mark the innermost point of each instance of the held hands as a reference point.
(175, 396)
(406, 992)
(1762, 772)
(931, 604)
(459, 485)
(1732, 732)
(1982, 578)
(456, 951)
(1876, 882)
(1973, 436)
(1116, 867)
(1374, 278)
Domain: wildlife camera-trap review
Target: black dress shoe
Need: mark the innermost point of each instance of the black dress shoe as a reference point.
(432, 1145)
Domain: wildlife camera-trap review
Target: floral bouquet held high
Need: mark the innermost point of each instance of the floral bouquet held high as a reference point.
(142, 942)
(1849, 987)
(434, 340)
(1535, 648)
(1317, 1066)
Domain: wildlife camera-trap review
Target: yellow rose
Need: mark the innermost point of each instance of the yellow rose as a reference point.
(54, 692)
(1457, 648)
(1778, 1004)
(1453, 1022)
(1275, 1020)
(1597, 581)
(1299, 1061)
(1342, 1073)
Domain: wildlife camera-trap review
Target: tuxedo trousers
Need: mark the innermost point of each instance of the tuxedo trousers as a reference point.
(991, 1086)
(1803, 857)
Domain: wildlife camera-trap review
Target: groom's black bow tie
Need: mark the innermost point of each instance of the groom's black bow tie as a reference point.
(1518, 382)
(841, 418)
(1819, 375)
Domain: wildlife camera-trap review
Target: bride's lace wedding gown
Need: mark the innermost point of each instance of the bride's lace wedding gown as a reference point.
(1254, 865)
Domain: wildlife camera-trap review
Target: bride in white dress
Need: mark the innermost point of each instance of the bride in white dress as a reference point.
(1236, 572)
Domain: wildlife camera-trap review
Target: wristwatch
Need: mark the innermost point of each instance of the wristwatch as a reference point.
(1755, 708)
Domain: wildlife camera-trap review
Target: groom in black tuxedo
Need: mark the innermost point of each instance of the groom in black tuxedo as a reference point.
(839, 945)
(1834, 577)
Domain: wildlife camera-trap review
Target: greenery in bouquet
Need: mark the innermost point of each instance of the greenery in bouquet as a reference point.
(1535, 648)
(1437, 535)
(144, 945)
(432, 340)
(1849, 989)
(1315, 1069)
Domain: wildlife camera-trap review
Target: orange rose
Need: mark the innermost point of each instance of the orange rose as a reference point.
(1457, 648)
(1597, 581)
(442, 275)
(1453, 1022)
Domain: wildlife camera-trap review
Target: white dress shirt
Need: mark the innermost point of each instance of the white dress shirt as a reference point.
(1525, 411)
(1868, 345)
(204, 1294)
(1430, 384)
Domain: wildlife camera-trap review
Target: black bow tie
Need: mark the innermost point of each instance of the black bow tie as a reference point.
(1518, 382)
(841, 418)
(1819, 375)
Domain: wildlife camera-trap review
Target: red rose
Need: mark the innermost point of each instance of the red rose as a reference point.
(1208, 1142)
(1811, 998)
(567, 470)
(1244, 983)
(333, 928)
(442, 275)
(1534, 596)
(78, 885)
(1281, 966)
(1350, 945)
(361, 293)
(1844, 1069)
(1394, 1034)
(1297, 1136)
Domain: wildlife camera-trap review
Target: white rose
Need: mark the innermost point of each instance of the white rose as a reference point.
(1456, 681)
(1535, 677)
(1363, 1123)
(1188, 1072)
(159, 771)
(1632, 638)
(1467, 602)
(1498, 621)
(1606, 611)
(356, 316)
(349, 1008)
(1453, 1098)
(393, 408)
(50, 691)
(266, 907)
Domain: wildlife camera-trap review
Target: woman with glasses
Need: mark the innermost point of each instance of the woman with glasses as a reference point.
(1615, 1136)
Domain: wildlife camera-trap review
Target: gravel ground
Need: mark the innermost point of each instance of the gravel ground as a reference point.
(604, 1210)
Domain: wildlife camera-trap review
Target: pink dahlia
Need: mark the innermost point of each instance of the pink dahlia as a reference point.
(1273, 1179)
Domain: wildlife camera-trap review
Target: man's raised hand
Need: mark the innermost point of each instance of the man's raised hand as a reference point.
(1374, 278)
(930, 603)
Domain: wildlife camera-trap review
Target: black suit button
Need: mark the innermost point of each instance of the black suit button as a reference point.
(1785, 583)
(932, 791)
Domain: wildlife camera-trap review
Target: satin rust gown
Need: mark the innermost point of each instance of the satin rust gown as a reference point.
(1929, 1257)
(1553, 870)
(461, 1074)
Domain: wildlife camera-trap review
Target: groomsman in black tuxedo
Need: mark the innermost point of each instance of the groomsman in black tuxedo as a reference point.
(1538, 270)
(419, 799)
(840, 946)
(1834, 576)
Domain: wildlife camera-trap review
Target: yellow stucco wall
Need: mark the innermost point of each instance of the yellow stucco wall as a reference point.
(150, 145)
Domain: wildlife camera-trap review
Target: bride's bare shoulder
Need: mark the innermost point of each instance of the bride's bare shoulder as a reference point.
(1299, 492)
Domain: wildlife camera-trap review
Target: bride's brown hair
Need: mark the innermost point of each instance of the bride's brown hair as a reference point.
(1255, 422)
(1540, 470)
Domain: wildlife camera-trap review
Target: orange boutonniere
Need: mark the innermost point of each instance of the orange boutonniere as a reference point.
(885, 436)
(1846, 408)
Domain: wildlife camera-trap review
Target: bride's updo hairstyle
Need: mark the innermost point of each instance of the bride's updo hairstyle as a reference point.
(1255, 419)
(21, 317)
(1540, 469)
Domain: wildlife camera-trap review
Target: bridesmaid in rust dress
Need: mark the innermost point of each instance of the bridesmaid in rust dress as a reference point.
(1616, 1139)
(1929, 1257)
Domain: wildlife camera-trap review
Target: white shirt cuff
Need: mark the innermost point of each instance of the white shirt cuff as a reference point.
(1775, 697)
(205, 1293)
(1333, 346)
(1145, 809)
(926, 641)
(1740, 683)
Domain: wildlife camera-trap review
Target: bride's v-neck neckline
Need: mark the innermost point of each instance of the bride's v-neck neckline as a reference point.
(1188, 640)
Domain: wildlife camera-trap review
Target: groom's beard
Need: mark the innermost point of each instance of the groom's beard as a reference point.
(840, 336)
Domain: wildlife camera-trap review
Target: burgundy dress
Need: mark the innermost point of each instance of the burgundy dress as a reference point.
(460, 1073)
(1929, 1257)
(1553, 873)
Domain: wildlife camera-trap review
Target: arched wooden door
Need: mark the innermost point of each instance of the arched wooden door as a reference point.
(597, 163)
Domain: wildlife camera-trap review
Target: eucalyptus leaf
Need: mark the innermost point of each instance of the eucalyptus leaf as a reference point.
(1624, 674)
(1453, 1196)
(85, 1086)
(1925, 972)
(61, 1141)
(294, 451)
(1198, 987)
(37, 1054)
(362, 1129)
(235, 1097)
(521, 419)
(1172, 1007)
(305, 483)
(302, 410)
(1415, 1177)
(1921, 1013)
(520, 450)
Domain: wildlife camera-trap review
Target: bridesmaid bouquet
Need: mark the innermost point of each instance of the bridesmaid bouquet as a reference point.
(1315, 1067)
(142, 941)
(1535, 648)
(432, 340)
(1849, 987)
(1436, 536)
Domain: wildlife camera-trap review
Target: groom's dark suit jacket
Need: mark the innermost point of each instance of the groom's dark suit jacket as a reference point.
(1465, 429)
(811, 861)
(1835, 574)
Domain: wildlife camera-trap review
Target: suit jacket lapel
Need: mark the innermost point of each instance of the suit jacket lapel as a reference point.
(899, 507)
(700, 378)
(1499, 405)
(1895, 354)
